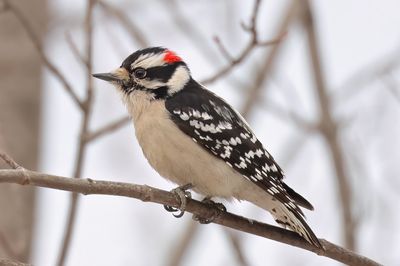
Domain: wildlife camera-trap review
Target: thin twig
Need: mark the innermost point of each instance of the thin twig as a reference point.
(291, 116)
(237, 247)
(75, 49)
(113, 126)
(181, 247)
(252, 44)
(379, 68)
(10, 161)
(150, 194)
(134, 31)
(87, 106)
(329, 129)
(189, 28)
(38, 45)
(265, 70)
(223, 49)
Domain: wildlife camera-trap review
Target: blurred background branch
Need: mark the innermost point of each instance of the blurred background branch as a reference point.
(38, 45)
(329, 129)
(20, 101)
(253, 43)
(87, 106)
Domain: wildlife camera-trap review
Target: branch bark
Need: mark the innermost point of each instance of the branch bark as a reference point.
(150, 194)
(8, 262)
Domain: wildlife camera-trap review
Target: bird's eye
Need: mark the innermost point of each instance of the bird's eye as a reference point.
(140, 73)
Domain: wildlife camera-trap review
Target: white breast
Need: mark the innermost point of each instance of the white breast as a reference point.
(175, 156)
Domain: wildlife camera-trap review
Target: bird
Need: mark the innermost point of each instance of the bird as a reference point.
(195, 139)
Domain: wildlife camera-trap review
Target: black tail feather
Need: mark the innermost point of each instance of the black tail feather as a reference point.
(298, 198)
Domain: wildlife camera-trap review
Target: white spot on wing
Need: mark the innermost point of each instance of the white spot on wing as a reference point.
(184, 116)
(265, 168)
(194, 123)
(206, 116)
(259, 152)
(227, 153)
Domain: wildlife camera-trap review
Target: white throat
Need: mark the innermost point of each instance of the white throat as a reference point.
(137, 103)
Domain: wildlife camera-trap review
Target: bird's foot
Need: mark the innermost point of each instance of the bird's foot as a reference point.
(218, 209)
(182, 193)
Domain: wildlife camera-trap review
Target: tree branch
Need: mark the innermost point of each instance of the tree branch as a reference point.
(237, 247)
(266, 68)
(182, 245)
(112, 126)
(252, 44)
(36, 42)
(10, 161)
(149, 194)
(135, 32)
(8, 262)
(329, 128)
(80, 158)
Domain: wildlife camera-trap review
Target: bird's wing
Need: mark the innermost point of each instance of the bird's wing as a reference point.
(220, 130)
(213, 124)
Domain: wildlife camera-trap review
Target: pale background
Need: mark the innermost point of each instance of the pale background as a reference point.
(356, 37)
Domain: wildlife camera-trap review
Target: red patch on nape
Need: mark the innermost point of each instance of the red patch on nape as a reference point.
(171, 57)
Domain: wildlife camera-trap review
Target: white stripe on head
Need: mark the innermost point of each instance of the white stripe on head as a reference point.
(149, 60)
(178, 80)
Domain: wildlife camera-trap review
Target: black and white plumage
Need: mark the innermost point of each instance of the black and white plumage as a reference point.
(190, 135)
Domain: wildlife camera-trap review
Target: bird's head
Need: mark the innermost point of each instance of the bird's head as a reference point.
(155, 70)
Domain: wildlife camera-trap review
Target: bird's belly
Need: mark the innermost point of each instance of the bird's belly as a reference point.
(175, 156)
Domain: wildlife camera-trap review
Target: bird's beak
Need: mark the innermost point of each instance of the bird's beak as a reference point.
(118, 75)
(106, 76)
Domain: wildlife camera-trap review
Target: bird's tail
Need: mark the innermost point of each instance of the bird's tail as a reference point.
(290, 215)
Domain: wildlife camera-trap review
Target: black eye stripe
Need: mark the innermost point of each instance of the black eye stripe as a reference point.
(162, 73)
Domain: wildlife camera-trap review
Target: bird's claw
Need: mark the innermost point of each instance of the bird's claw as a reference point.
(218, 208)
(183, 194)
